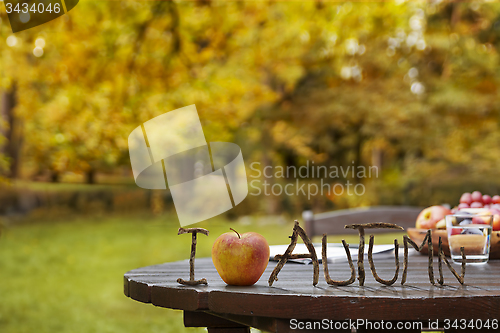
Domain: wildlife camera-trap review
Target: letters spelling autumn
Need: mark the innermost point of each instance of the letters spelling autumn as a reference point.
(299, 232)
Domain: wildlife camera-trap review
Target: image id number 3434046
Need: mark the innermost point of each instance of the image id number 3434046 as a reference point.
(470, 324)
(34, 8)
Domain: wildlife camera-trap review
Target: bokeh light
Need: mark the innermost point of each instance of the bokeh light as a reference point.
(417, 88)
(12, 41)
(38, 51)
(40, 42)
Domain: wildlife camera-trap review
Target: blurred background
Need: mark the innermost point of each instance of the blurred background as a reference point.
(409, 88)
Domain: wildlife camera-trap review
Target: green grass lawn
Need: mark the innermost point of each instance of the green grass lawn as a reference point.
(67, 276)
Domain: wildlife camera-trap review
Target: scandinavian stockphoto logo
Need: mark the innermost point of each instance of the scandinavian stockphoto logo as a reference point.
(205, 179)
(26, 14)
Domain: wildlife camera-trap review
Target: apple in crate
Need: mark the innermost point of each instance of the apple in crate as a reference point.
(466, 198)
(429, 217)
(240, 259)
(483, 220)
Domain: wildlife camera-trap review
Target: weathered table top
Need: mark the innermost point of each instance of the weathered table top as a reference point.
(294, 296)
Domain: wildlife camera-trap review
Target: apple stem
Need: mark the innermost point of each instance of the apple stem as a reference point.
(235, 232)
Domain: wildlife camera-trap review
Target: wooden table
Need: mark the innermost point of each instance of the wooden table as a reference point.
(224, 308)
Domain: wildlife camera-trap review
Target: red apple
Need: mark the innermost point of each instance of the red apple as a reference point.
(496, 199)
(486, 199)
(477, 196)
(481, 219)
(240, 259)
(463, 205)
(466, 198)
(428, 218)
(486, 220)
(476, 204)
(496, 223)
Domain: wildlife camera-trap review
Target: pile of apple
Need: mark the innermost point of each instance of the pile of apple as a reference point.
(476, 199)
(433, 217)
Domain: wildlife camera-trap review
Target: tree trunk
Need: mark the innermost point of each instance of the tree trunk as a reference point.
(13, 132)
(377, 158)
(90, 176)
(54, 176)
(358, 146)
(455, 15)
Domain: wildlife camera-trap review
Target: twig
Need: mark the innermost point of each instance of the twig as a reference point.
(192, 283)
(361, 251)
(274, 275)
(297, 231)
(361, 248)
(312, 251)
(293, 256)
(325, 265)
(430, 250)
(190, 230)
(372, 264)
(405, 261)
(361, 254)
(440, 262)
(193, 232)
(428, 238)
(376, 225)
(461, 277)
